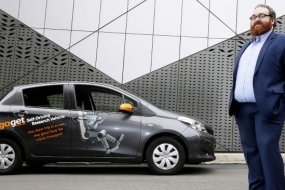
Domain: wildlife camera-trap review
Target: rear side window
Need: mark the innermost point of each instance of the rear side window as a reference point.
(46, 97)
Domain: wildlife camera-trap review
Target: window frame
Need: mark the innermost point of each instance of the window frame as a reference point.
(64, 88)
(109, 90)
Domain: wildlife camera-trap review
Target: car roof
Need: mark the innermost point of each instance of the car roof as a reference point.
(78, 82)
(132, 94)
(65, 82)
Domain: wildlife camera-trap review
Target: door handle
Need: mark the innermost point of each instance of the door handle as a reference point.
(20, 113)
(75, 118)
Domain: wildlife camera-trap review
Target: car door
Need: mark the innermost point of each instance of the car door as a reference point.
(42, 119)
(99, 129)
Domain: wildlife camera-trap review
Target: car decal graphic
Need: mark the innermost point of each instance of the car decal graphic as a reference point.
(42, 132)
(46, 131)
(12, 123)
(34, 120)
(44, 119)
(89, 122)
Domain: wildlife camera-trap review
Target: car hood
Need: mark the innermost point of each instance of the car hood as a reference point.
(170, 114)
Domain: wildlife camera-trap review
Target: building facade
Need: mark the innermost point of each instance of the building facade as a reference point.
(177, 54)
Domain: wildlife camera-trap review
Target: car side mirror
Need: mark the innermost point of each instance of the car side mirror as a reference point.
(126, 107)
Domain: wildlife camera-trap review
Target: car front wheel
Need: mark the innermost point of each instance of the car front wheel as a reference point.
(165, 155)
(10, 157)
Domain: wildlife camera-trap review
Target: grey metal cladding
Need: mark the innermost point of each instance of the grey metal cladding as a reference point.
(7, 45)
(82, 71)
(197, 85)
(159, 87)
(205, 79)
(28, 57)
(280, 25)
(32, 52)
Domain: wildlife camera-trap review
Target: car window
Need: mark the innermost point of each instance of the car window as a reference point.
(100, 99)
(130, 101)
(47, 96)
(106, 102)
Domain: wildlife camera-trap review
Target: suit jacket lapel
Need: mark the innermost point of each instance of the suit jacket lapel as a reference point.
(263, 50)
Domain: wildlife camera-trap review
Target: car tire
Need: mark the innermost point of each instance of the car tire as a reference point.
(10, 157)
(165, 156)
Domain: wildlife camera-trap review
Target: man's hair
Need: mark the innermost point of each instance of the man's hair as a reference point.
(271, 12)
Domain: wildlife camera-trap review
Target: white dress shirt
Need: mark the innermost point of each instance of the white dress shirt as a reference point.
(246, 66)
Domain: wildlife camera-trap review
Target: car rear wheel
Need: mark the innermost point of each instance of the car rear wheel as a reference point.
(10, 157)
(165, 155)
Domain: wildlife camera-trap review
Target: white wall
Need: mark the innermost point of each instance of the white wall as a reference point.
(151, 36)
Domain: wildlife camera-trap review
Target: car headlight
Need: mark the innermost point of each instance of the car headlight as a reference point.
(192, 123)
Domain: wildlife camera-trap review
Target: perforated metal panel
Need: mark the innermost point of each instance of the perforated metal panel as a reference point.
(159, 87)
(79, 70)
(28, 57)
(204, 82)
(197, 85)
(7, 44)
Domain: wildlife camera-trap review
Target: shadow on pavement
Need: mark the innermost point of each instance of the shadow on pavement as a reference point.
(109, 170)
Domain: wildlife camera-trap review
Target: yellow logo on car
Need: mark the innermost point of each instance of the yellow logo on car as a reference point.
(12, 123)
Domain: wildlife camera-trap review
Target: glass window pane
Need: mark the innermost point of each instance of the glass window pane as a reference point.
(104, 100)
(48, 97)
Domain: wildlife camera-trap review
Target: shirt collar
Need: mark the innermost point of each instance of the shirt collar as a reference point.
(256, 39)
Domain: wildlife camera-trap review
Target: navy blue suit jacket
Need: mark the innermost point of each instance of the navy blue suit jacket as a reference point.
(268, 79)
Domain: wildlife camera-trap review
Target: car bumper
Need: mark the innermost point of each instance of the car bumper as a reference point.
(200, 146)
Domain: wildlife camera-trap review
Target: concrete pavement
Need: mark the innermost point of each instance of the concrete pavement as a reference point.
(231, 158)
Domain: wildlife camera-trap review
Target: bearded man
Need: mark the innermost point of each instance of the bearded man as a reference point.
(257, 100)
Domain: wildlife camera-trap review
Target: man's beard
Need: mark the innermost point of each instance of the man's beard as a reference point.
(258, 28)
